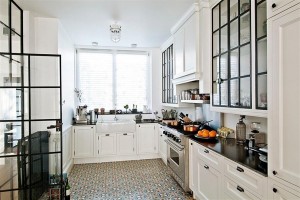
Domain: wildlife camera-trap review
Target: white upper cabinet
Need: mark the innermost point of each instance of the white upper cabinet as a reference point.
(186, 47)
(277, 6)
(284, 93)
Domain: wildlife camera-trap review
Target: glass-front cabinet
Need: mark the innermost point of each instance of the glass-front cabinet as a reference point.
(238, 71)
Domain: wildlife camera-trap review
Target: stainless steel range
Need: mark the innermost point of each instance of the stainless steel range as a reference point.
(178, 156)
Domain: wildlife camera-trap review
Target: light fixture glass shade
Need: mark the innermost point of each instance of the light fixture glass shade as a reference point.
(115, 31)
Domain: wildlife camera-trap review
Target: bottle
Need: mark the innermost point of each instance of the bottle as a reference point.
(68, 190)
(241, 131)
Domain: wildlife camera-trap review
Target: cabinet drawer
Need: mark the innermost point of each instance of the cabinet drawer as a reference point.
(253, 181)
(233, 190)
(208, 156)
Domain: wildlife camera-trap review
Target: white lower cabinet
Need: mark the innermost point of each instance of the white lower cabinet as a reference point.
(278, 191)
(209, 181)
(213, 176)
(162, 145)
(147, 138)
(83, 145)
(126, 144)
(107, 144)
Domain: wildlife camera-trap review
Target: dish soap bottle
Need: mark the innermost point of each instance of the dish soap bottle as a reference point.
(241, 131)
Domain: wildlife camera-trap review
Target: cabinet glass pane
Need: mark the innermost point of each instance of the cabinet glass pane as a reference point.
(224, 93)
(216, 43)
(245, 60)
(45, 103)
(234, 63)
(234, 92)
(15, 19)
(245, 28)
(4, 39)
(224, 39)
(216, 18)
(262, 91)
(224, 12)
(4, 11)
(15, 43)
(245, 92)
(216, 93)
(224, 66)
(261, 20)
(234, 34)
(215, 68)
(233, 9)
(44, 71)
(244, 5)
(262, 55)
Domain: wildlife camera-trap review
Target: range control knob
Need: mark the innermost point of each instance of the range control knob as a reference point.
(174, 138)
(165, 132)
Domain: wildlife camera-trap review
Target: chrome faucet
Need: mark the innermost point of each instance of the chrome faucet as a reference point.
(115, 113)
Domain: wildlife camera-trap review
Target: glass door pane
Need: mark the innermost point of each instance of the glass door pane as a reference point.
(224, 12)
(233, 9)
(224, 39)
(234, 92)
(262, 91)
(234, 34)
(244, 5)
(215, 22)
(216, 43)
(261, 19)
(245, 60)
(245, 24)
(234, 63)
(245, 92)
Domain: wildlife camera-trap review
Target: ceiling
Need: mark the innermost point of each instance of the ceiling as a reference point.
(146, 23)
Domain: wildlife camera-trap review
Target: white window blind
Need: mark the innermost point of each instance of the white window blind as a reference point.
(114, 78)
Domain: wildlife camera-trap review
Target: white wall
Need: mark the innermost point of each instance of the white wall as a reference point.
(156, 80)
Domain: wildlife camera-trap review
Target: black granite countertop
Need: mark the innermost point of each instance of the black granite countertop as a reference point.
(143, 121)
(235, 152)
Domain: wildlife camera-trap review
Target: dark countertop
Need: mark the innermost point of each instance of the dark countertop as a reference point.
(83, 124)
(143, 121)
(235, 152)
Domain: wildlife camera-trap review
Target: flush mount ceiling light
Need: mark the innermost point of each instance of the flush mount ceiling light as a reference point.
(115, 32)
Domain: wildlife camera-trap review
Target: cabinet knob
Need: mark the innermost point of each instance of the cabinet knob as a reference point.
(274, 190)
(191, 143)
(240, 189)
(274, 172)
(274, 5)
(239, 169)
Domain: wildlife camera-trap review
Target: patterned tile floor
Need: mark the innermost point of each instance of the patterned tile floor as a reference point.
(139, 179)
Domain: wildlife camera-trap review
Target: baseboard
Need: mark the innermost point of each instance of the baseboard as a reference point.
(67, 168)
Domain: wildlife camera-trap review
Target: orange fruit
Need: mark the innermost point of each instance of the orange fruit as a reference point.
(212, 133)
(205, 133)
(200, 133)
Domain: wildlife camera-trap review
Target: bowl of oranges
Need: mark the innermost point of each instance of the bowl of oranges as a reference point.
(206, 134)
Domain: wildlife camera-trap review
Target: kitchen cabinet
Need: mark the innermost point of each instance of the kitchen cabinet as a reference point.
(126, 144)
(204, 180)
(107, 144)
(277, 6)
(284, 93)
(278, 191)
(239, 75)
(147, 138)
(83, 141)
(162, 145)
(186, 47)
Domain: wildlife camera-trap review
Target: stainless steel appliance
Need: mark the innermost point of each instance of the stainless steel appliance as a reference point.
(81, 114)
(178, 156)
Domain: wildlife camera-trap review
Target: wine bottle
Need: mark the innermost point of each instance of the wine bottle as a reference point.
(68, 190)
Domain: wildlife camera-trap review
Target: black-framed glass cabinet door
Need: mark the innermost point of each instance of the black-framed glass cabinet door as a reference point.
(231, 53)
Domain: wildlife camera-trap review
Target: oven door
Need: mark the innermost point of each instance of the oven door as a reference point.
(175, 159)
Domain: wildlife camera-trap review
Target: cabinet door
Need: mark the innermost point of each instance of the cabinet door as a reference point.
(147, 140)
(108, 144)
(193, 167)
(179, 51)
(277, 6)
(191, 43)
(162, 145)
(209, 181)
(125, 144)
(279, 191)
(284, 86)
(83, 141)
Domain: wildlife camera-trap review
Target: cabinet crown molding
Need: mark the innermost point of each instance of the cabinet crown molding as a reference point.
(194, 8)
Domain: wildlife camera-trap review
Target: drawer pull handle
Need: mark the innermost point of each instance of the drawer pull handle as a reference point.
(274, 190)
(274, 5)
(239, 169)
(124, 133)
(274, 172)
(206, 151)
(240, 189)
(106, 134)
(206, 167)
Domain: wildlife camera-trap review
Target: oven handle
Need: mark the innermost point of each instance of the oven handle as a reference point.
(173, 146)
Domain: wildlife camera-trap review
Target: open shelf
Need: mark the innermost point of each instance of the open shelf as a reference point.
(196, 101)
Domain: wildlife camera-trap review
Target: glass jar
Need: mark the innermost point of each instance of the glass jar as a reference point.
(241, 131)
